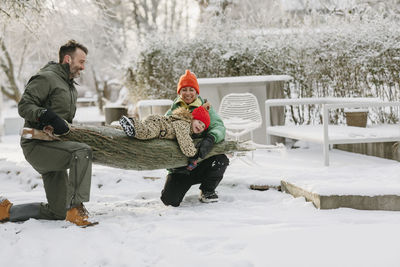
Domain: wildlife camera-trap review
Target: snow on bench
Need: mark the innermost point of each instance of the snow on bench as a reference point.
(155, 102)
(333, 134)
(153, 106)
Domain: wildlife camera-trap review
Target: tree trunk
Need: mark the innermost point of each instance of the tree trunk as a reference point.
(100, 93)
(111, 147)
(7, 66)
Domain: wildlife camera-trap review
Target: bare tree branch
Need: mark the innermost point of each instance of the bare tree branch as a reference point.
(9, 71)
(5, 12)
(7, 93)
(99, 92)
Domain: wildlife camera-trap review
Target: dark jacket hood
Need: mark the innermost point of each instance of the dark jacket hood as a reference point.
(61, 70)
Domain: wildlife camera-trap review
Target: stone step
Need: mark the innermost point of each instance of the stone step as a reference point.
(379, 202)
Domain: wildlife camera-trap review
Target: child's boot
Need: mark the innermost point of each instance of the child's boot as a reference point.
(127, 124)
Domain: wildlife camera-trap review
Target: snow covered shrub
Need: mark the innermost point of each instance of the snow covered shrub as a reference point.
(159, 67)
(349, 60)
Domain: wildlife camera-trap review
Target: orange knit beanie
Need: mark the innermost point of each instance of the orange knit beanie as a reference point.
(188, 80)
(201, 114)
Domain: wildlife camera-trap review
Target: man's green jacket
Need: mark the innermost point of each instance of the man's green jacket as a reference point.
(51, 88)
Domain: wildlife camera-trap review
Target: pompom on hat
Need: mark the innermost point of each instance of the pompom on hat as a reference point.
(201, 114)
(188, 80)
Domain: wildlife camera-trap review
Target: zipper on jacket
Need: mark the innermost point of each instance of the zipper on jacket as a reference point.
(70, 92)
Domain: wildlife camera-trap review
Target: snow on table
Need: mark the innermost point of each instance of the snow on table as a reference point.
(338, 134)
(155, 102)
(244, 79)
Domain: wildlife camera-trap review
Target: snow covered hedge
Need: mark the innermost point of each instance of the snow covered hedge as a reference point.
(357, 60)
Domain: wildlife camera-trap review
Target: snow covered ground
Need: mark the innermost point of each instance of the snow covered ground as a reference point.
(246, 228)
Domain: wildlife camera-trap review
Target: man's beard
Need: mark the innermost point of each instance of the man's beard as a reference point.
(75, 73)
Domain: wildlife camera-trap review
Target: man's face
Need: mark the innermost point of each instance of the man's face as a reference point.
(77, 63)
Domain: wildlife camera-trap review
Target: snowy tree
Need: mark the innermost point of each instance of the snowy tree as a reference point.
(213, 8)
(138, 18)
(34, 34)
(12, 13)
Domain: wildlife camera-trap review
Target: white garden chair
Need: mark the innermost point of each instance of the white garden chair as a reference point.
(241, 115)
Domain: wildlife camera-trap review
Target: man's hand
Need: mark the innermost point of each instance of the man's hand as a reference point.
(205, 146)
(60, 126)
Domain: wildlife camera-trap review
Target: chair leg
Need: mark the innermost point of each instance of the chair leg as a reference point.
(252, 152)
(244, 158)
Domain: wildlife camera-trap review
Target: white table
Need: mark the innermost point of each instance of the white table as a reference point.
(333, 134)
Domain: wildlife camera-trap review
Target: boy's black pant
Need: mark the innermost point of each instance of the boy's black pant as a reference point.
(208, 174)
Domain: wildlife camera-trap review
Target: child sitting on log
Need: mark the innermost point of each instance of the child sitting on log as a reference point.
(181, 125)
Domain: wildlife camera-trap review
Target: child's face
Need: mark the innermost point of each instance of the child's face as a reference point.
(198, 126)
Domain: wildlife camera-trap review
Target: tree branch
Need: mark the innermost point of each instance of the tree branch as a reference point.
(5, 12)
(9, 71)
(7, 94)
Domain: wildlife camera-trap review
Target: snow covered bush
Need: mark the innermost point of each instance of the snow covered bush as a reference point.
(349, 60)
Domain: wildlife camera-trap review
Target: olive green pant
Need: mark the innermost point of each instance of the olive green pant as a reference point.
(63, 189)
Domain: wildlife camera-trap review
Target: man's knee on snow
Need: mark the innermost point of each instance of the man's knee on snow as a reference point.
(169, 200)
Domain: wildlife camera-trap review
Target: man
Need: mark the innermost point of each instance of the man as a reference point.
(49, 100)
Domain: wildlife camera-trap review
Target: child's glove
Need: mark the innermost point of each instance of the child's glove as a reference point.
(192, 164)
(205, 146)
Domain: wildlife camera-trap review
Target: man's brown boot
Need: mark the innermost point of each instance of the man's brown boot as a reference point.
(5, 206)
(79, 215)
